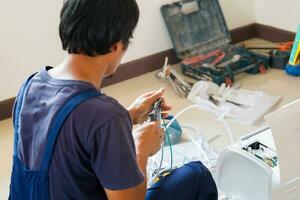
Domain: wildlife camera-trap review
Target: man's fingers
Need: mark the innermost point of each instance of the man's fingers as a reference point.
(142, 119)
(162, 135)
(153, 124)
(165, 115)
(155, 96)
(162, 139)
(148, 94)
(166, 108)
(164, 105)
(157, 124)
(162, 132)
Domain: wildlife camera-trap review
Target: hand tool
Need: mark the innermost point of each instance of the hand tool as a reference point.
(155, 114)
(217, 100)
(200, 58)
(234, 59)
(181, 87)
(220, 56)
(285, 46)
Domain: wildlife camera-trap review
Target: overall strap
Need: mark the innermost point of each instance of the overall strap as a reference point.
(16, 112)
(58, 122)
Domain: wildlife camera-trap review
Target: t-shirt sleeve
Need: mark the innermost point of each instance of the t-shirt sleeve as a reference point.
(113, 154)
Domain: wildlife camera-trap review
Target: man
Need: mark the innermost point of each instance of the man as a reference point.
(95, 156)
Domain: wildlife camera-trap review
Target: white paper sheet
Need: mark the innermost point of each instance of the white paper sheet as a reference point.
(255, 103)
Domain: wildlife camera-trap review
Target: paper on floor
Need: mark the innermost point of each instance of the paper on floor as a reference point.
(244, 106)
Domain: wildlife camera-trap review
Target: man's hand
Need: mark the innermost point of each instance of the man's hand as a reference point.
(148, 138)
(140, 108)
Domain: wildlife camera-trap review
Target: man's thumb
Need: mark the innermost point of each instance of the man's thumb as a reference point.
(156, 95)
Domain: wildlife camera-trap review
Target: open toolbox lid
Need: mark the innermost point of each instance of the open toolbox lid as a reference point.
(285, 127)
(195, 26)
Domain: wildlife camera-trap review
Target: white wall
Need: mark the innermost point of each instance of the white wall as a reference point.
(29, 35)
(28, 40)
(283, 14)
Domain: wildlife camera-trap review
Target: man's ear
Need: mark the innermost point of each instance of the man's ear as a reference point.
(117, 47)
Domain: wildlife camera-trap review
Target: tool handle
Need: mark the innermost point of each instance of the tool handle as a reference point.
(155, 114)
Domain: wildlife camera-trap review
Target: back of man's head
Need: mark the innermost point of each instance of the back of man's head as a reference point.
(92, 27)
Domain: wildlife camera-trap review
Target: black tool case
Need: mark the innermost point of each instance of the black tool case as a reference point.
(198, 28)
(279, 59)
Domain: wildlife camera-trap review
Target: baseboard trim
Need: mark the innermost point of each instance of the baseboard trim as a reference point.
(273, 34)
(243, 33)
(6, 108)
(141, 66)
(153, 62)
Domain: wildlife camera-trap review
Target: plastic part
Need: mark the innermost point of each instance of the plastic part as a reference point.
(292, 70)
(190, 7)
(286, 120)
(279, 59)
(199, 32)
(175, 132)
(295, 54)
(243, 176)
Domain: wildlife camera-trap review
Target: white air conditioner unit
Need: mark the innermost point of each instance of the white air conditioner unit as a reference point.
(264, 165)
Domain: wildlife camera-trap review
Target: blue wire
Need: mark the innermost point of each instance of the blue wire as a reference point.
(161, 160)
(169, 141)
(160, 164)
(162, 151)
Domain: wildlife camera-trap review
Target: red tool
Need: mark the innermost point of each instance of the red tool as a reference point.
(220, 57)
(262, 69)
(200, 58)
(286, 46)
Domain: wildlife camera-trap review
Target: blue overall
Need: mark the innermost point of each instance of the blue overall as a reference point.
(192, 181)
(29, 184)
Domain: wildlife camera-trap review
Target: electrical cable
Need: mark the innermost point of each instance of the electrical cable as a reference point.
(160, 164)
(166, 126)
(162, 153)
(206, 109)
(202, 152)
(169, 141)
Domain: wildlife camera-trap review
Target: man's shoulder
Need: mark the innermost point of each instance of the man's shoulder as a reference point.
(97, 116)
(101, 109)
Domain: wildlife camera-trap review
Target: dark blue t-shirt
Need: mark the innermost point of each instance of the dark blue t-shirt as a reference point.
(95, 148)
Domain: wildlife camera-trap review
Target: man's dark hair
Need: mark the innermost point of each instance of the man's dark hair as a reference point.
(92, 27)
